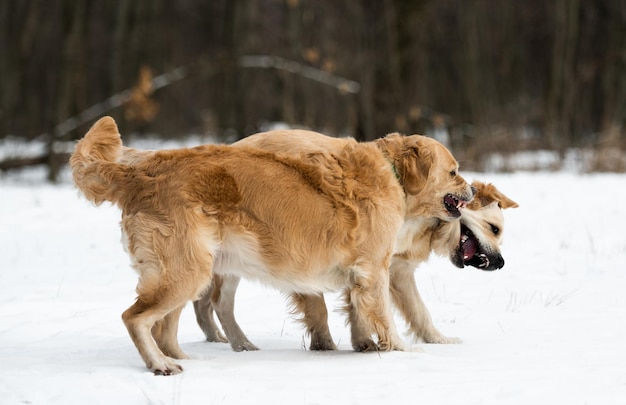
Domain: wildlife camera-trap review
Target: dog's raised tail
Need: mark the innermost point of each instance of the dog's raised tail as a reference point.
(94, 162)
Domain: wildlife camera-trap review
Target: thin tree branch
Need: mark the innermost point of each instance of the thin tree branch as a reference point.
(309, 72)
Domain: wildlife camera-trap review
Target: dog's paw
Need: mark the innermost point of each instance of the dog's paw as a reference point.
(167, 367)
(246, 346)
(367, 345)
(441, 339)
(216, 336)
(322, 345)
(177, 369)
(450, 340)
(391, 346)
(322, 341)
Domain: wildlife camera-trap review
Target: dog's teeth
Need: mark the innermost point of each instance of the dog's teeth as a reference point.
(464, 238)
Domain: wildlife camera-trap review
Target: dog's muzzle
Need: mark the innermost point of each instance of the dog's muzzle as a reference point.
(471, 254)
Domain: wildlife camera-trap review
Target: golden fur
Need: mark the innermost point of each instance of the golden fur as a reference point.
(238, 211)
(418, 237)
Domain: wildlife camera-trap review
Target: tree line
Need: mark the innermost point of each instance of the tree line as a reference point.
(492, 75)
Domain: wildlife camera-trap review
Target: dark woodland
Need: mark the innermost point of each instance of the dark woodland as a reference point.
(495, 75)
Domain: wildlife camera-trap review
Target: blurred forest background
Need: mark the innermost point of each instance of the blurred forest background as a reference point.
(484, 76)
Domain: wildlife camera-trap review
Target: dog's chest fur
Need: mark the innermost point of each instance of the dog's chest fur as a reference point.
(414, 231)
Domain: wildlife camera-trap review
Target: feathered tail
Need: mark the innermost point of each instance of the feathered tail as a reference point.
(94, 163)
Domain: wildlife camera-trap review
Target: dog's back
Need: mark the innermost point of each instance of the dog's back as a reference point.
(295, 141)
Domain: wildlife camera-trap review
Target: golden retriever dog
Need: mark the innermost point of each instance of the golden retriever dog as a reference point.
(481, 226)
(418, 237)
(308, 224)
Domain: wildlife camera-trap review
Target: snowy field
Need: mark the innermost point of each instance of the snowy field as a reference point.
(549, 328)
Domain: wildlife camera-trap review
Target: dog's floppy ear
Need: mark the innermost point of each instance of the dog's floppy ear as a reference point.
(506, 202)
(488, 193)
(417, 162)
(412, 161)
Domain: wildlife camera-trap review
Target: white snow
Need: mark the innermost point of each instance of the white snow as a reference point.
(546, 329)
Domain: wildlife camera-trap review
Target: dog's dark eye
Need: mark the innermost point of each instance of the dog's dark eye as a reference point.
(453, 173)
(494, 229)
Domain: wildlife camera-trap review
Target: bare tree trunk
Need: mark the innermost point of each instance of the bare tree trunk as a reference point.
(289, 86)
(366, 130)
(71, 76)
(18, 24)
(230, 107)
(395, 91)
(563, 83)
(121, 39)
(613, 121)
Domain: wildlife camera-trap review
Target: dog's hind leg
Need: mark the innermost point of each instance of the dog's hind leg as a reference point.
(165, 334)
(407, 299)
(315, 318)
(174, 267)
(223, 300)
(163, 303)
(139, 320)
(204, 313)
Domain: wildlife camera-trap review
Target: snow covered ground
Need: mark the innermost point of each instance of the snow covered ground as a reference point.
(549, 328)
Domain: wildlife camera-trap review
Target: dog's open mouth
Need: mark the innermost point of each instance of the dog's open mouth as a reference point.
(469, 247)
(454, 205)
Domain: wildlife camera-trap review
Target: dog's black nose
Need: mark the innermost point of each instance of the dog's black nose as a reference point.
(495, 262)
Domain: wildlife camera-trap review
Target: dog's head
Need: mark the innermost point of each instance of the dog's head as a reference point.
(481, 229)
(429, 174)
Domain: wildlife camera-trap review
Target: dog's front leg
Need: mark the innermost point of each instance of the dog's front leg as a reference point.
(203, 307)
(369, 309)
(407, 299)
(223, 300)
